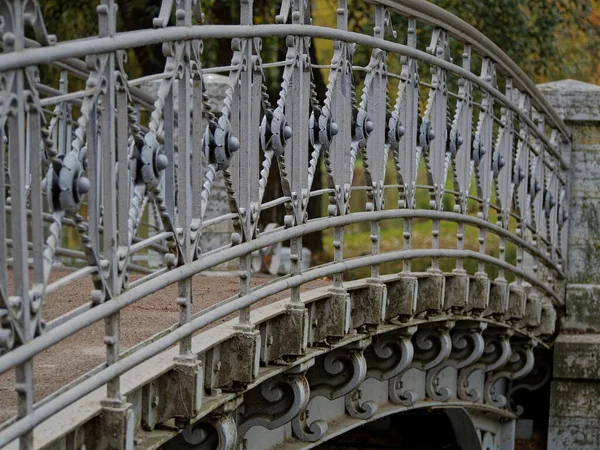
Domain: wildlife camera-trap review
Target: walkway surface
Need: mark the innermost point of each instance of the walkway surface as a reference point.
(85, 350)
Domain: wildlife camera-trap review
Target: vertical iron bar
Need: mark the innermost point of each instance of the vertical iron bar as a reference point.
(408, 144)
(17, 149)
(3, 224)
(108, 156)
(522, 176)
(505, 162)
(93, 202)
(463, 166)
(124, 175)
(169, 149)
(298, 160)
(37, 224)
(184, 201)
(198, 125)
(247, 183)
(485, 131)
(62, 119)
(376, 144)
(342, 144)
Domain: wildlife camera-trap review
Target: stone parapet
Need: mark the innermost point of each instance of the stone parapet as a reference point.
(576, 357)
(579, 105)
(574, 405)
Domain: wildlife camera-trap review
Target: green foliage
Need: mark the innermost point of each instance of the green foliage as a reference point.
(536, 34)
(527, 30)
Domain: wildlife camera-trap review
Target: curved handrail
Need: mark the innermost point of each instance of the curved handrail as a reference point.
(130, 39)
(123, 365)
(100, 312)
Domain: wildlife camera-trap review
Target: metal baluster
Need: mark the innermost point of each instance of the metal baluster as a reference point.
(483, 156)
(341, 147)
(463, 169)
(376, 146)
(124, 176)
(169, 149)
(246, 162)
(198, 127)
(108, 155)
(183, 16)
(432, 136)
(296, 155)
(521, 180)
(5, 334)
(63, 127)
(408, 114)
(18, 202)
(536, 187)
(503, 169)
(92, 227)
(16, 137)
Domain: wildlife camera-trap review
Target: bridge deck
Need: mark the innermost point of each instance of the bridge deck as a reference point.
(85, 350)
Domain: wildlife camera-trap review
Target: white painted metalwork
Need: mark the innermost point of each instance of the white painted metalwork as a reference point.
(99, 160)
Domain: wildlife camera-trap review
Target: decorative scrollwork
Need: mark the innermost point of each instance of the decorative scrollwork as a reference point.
(104, 156)
(218, 433)
(398, 394)
(536, 379)
(274, 403)
(338, 372)
(274, 131)
(519, 364)
(432, 346)
(335, 375)
(390, 354)
(308, 432)
(467, 347)
(358, 409)
(495, 354)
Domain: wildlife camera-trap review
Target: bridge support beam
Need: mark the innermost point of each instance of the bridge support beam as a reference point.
(574, 412)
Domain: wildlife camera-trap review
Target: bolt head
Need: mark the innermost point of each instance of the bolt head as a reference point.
(401, 131)
(83, 185)
(234, 144)
(334, 129)
(162, 161)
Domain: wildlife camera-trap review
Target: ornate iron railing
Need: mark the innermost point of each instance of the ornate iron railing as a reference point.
(100, 159)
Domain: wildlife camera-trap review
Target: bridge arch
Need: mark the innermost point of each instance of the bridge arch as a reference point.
(462, 364)
(457, 337)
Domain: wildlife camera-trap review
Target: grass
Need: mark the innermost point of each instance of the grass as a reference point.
(359, 244)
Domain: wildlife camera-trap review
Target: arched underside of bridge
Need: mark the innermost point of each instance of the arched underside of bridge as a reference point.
(306, 375)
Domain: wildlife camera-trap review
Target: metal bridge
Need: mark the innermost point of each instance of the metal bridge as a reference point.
(95, 173)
